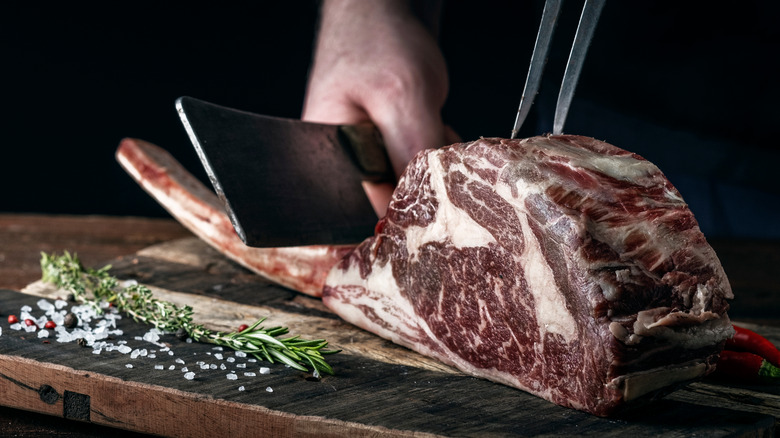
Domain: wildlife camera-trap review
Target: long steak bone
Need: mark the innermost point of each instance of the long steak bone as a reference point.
(560, 265)
(198, 208)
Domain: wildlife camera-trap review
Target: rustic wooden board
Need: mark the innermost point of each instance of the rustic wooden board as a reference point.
(379, 389)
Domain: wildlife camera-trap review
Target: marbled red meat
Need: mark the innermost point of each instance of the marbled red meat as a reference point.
(560, 265)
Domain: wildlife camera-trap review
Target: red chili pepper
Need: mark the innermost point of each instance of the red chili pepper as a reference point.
(242, 327)
(12, 319)
(50, 325)
(746, 340)
(29, 322)
(745, 367)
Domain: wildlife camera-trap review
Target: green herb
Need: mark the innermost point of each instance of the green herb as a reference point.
(93, 287)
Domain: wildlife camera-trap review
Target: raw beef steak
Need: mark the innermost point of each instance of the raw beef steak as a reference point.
(560, 265)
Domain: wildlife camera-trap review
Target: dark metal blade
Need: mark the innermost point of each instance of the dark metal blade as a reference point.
(286, 182)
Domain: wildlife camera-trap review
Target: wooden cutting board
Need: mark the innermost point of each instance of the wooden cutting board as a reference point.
(379, 389)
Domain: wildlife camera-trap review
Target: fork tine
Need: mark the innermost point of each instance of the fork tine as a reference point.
(550, 14)
(588, 20)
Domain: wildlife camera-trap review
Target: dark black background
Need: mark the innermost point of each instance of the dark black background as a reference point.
(690, 85)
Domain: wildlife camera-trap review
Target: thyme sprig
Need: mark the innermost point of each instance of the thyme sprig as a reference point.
(94, 286)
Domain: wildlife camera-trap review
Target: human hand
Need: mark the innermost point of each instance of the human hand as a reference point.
(375, 61)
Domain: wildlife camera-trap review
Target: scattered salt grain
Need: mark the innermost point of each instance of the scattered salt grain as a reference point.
(44, 305)
(240, 365)
(269, 389)
(204, 366)
(59, 304)
(217, 348)
(135, 353)
(213, 366)
(152, 356)
(159, 367)
(241, 388)
(181, 361)
(1, 331)
(43, 334)
(128, 283)
(124, 349)
(138, 338)
(231, 359)
(232, 376)
(265, 370)
(170, 353)
(184, 369)
(222, 367)
(152, 335)
(240, 354)
(143, 352)
(189, 340)
(15, 326)
(30, 328)
(249, 374)
(218, 356)
(189, 376)
(251, 360)
(129, 365)
(172, 367)
(26, 308)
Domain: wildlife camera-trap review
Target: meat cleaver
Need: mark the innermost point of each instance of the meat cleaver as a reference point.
(286, 182)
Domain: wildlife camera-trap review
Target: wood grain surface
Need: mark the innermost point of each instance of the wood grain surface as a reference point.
(380, 389)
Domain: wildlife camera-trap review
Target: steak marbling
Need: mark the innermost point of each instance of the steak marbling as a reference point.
(560, 265)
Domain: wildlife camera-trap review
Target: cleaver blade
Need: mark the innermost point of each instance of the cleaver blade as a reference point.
(286, 182)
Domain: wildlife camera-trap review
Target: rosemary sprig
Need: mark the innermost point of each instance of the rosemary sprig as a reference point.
(93, 286)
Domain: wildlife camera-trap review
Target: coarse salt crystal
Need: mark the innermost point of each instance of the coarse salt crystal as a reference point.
(152, 356)
(128, 283)
(222, 367)
(231, 359)
(184, 369)
(143, 352)
(213, 366)
(240, 365)
(135, 353)
(15, 326)
(129, 365)
(269, 389)
(170, 353)
(250, 374)
(43, 334)
(232, 376)
(44, 305)
(240, 354)
(251, 360)
(124, 349)
(217, 348)
(179, 360)
(189, 376)
(241, 388)
(59, 304)
(218, 356)
(204, 366)
(265, 370)
(172, 367)
(30, 328)
(159, 367)
(189, 340)
(26, 308)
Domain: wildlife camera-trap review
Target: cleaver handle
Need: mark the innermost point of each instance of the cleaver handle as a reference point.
(369, 152)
